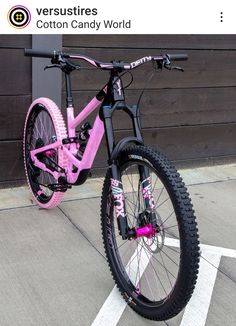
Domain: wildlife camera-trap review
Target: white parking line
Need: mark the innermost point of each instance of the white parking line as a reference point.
(220, 251)
(114, 306)
(111, 310)
(196, 311)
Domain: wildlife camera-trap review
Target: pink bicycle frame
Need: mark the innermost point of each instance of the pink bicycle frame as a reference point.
(96, 134)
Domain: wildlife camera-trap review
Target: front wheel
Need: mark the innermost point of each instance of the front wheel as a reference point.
(157, 274)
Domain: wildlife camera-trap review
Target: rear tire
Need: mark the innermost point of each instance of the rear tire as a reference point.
(44, 125)
(176, 245)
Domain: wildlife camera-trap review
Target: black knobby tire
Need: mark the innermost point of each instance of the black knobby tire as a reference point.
(173, 294)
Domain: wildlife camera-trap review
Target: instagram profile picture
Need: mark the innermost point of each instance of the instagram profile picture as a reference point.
(19, 16)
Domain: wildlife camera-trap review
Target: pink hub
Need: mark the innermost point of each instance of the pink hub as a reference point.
(146, 231)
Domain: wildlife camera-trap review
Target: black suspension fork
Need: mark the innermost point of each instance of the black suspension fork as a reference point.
(116, 183)
(115, 100)
(144, 173)
(115, 96)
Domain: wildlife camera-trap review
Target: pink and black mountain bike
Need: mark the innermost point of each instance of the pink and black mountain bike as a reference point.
(148, 225)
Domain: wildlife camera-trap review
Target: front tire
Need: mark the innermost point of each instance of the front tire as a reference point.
(155, 276)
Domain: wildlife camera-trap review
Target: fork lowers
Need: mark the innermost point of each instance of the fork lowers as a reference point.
(118, 195)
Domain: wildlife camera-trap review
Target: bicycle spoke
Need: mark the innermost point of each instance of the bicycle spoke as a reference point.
(170, 227)
(138, 270)
(167, 218)
(129, 204)
(157, 277)
(159, 263)
(159, 195)
(122, 244)
(172, 235)
(169, 257)
(131, 187)
(163, 266)
(166, 270)
(164, 201)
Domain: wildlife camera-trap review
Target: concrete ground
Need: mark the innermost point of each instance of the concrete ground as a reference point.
(53, 270)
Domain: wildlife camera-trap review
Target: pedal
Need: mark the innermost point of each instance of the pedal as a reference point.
(61, 186)
(57, 187)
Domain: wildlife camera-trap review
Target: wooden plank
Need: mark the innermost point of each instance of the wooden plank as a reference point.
(174, 107)
(180, 164)
(12, 115)
(15, 72)
(182, 143)
(157, 41)
(15, 41)
(203, 69)
(185, 143)
(11, 161)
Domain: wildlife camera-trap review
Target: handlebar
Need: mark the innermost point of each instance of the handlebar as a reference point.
(40, 53)
(177, 57)
(56, 56)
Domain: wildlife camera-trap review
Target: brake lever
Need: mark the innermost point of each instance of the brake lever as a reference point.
(178, 68)
(64, 65)
(169, 67)
(52, 66)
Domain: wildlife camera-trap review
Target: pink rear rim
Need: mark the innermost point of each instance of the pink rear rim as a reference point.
(44, 124)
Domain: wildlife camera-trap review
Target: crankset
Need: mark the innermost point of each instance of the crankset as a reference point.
(58, 187)
(61, 186)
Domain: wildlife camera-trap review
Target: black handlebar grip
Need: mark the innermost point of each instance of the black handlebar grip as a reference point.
(177, 57)
(40, 53)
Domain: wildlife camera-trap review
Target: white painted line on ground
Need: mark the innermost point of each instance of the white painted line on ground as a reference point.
(111, 310)
(114, 305)
(197, 309)
(220, 251)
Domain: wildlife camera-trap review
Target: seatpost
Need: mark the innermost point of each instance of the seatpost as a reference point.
(69, 98)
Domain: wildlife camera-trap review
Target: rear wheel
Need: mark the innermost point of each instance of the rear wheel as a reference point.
(157, 274)
(44, 125)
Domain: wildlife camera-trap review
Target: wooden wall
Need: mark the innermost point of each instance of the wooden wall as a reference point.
(191, 115)
(15, 98)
